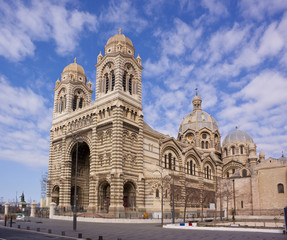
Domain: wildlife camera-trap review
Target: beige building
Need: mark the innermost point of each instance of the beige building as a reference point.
(125, 167)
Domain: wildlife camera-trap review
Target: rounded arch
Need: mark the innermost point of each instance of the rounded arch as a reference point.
(129, 194)
(230, 169)
(170, 157)
(55, 194)
(104, 194)
(192, 165)
(209, 169)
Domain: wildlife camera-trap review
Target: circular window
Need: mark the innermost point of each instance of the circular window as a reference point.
(204, 136)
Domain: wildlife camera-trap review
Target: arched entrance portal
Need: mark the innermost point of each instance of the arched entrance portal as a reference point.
(83, 170)
(55, 194)
(104, 197)
(129, 201)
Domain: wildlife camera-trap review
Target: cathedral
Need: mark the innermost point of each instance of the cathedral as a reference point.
(104, 155)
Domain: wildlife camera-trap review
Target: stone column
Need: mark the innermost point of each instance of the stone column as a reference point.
(33, 209)
(52, 210)
(7, 205)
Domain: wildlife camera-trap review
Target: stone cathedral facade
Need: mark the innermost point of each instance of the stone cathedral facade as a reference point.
(124, 166)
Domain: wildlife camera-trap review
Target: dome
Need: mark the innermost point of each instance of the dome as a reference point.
(119, 38)
(237, 136)
(196, 121)
(74, 67)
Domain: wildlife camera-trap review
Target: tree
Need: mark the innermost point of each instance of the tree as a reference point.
(43, 182)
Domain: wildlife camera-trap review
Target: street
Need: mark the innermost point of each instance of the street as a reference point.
(115, 231)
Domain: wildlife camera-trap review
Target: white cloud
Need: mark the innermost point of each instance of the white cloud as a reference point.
(215, 7)
(124, 15)
(23, 25)
(259, 9)
(258, 108)
(24, 120)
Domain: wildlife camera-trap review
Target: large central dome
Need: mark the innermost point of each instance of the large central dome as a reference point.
(198, 120)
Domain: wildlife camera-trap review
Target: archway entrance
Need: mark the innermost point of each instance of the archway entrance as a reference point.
(55, 194)
(104, 197)
(129, 201)
(83, 171)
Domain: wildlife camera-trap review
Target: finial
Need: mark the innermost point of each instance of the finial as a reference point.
(75, 60)
(236, 127)
(120, 31)
(282, 154)
(196, 91)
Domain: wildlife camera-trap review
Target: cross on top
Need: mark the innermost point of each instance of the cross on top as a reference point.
(75, 60)
(120, 31)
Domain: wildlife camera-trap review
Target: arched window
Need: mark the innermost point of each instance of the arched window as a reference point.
(107, 83)
(130, 85)
(226, 152)
(244, 173)
(113, 80)
(165, 161)
(280, 187)
(157, 193)
(233, 150)
(206, 145)
(75, 103)
(191, 163)
(241, 149)
(187, 167)
(202, 144)
(169, 161)
(124, 81)
(81, 103)
(173, 163)
(227, 174)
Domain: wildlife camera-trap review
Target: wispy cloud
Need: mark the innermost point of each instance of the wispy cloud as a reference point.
(21, 26)
(24, 118)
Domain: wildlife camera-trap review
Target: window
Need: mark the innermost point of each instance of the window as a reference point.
(157, 193)
(280, 187)
(113, 80)
(241, 204)
(124, 81)
(165, 163)
(226, 152)
(206, 145)
(202, 144)
(81, 103)
(187, 167)
(130, 85)
(107, 83)
(241, 149)
(191, 163)
(227, 174)
(169, 161)
(233, 150)
(204, 136)
(74, 103)
(173, 163)
(244, 173)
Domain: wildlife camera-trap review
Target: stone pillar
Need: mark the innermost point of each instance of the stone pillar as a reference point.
(7, 205)
(33, 209)
(52, 210)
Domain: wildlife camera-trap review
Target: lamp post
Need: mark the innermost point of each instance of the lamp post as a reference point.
(234, 206)
(75, 192)
(173, 195)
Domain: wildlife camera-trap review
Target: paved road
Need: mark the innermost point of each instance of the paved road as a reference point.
(115, 231)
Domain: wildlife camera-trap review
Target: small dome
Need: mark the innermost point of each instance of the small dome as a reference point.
(262, 154)
(119, 38)
(237, 136)
(74, 67)
(196, 121)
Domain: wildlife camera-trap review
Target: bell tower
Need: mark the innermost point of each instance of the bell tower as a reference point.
(119, 114)
(72, 92)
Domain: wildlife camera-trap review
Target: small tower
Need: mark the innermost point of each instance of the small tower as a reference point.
(196, 102)
(72, 92)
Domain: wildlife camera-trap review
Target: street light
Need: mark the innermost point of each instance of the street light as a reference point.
(75, 192)
(173, 195)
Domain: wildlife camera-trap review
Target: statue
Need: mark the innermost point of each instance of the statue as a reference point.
(22, 198)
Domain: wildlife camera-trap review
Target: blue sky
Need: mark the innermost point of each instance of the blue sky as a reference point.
(234, 52)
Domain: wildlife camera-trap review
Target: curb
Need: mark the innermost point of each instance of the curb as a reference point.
(176, 226)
